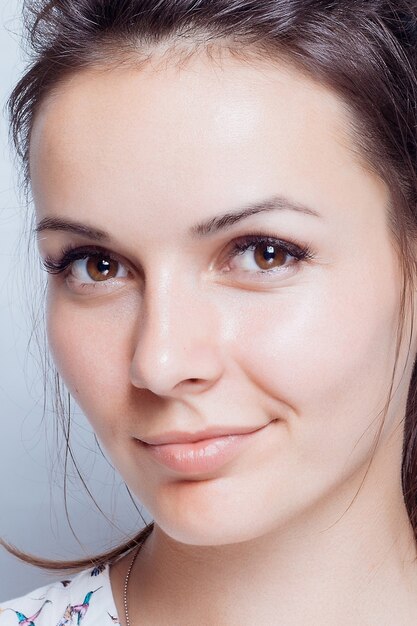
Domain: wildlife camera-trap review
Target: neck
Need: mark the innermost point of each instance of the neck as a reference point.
(335, 563)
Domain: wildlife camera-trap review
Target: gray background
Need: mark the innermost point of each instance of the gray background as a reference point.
(32, 514)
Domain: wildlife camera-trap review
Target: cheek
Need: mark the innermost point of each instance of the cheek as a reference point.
(326, 349)
(91, 347)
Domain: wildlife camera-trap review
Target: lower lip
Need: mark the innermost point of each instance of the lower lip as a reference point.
(206, 455)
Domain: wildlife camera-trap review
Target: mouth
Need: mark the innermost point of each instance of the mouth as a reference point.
(187, 453)
(173, 437)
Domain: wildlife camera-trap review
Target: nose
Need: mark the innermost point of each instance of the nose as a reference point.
(175, 350)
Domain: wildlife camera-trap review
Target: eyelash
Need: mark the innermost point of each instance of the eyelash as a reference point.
(70, 254)
(299, 252)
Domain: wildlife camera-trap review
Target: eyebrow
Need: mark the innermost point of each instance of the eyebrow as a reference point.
(276, 203)
(203, 229)
(76, 228)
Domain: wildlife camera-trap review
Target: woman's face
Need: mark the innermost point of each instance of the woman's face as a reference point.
(188, 314)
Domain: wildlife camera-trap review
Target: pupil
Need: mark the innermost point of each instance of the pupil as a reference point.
(103, 266)
(269, 253)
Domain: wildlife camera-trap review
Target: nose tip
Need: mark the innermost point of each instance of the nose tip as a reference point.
(173, 371)
(174, 353)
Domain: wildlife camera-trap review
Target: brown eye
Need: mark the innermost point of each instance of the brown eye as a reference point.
(262, 257)
(100, 268)
(267, 256)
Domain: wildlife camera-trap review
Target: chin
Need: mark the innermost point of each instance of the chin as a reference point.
(212, 525)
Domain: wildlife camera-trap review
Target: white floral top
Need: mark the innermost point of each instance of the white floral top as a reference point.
(84, 600)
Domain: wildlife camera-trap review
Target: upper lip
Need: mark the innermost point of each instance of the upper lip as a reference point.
(209, 433)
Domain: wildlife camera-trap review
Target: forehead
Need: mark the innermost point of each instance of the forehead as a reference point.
(217, 97)
(197, 136)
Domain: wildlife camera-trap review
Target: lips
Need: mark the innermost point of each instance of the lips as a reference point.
(174, 437)
(194, 454)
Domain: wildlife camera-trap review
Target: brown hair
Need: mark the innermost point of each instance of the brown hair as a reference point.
(363, 50)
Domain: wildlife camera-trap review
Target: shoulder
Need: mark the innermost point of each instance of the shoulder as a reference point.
(85, 599)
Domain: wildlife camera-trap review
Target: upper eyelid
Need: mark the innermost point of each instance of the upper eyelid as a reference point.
(254, 238)
(72, 254)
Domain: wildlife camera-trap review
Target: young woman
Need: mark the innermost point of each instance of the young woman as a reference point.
(225, 196)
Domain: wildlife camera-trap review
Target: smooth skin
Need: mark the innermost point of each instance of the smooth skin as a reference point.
(185, 334)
